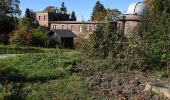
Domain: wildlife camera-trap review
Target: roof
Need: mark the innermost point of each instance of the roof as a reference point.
(137, 8)
(76, 22)
(64, 33)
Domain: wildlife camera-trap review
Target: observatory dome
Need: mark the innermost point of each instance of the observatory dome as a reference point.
(137, 8)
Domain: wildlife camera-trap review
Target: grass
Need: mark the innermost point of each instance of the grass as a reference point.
(34, 76)
(9, 49)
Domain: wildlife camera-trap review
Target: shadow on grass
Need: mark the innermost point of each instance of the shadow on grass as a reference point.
(18, 81)
(10, 50)
(9, 75)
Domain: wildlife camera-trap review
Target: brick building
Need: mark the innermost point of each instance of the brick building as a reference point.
(124, 23)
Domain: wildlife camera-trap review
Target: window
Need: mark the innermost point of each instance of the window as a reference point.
(39, 17)
(71, 27)
(55, 26)
(80, 28)
(90, 29)
(62, 26)
(44, 17)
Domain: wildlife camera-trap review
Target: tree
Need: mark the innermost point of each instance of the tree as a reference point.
(99, 12)
(161, 6)
(50, 9)
(112, 14)
(111, 37)
(63, 8)
(31, 15)
(10, 7)
(25, 24)
(149, 3)
(9, 10)
(149, 47)
(73, 16)
(97, 45)
(158, 6)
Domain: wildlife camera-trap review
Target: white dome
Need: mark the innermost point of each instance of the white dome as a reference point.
(137, 8)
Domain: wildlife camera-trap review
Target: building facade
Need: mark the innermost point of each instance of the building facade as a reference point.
(124, 23)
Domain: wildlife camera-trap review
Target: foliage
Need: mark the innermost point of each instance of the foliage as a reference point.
(156, 40)
(99, 12)
(59, 14)
(21, 37)
(50, 9)
(40, 37)
(9, 9)
(63, 8)
(42, 76)
(105, 40)
(96, 41)
(149, 3)
(82, 42)
(73, 16)
(31, 15)
(112, 14)
(25, 23)
(148, 47)
(10, 49)
(161, 6)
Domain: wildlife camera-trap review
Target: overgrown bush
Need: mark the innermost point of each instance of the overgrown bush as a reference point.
(21, 37)
(40, 37)
(149, 46)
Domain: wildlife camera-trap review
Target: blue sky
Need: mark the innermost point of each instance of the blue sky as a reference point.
(83, 8)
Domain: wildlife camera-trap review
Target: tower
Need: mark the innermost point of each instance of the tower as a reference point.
(128, 22)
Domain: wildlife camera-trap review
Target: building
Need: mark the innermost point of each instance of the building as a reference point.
(125, 23)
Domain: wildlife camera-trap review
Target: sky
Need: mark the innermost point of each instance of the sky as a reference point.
(83, 8)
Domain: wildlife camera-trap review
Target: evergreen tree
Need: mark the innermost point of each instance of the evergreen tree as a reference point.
(73, 16)
(31, 15)
(111, 37)
(96, 41)
(63, 8)
(99, 12)
(50, 9)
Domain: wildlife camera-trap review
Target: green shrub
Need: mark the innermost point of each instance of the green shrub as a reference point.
(40, 37)
(21, 37)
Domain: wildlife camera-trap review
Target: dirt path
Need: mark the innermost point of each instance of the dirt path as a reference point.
(4, 56)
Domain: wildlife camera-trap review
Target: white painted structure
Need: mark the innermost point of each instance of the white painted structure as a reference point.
(137, 8)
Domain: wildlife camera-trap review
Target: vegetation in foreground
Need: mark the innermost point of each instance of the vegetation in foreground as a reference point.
(43, 76)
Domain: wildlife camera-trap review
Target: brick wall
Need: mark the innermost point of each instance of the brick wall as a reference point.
(42, 19)
(75, 27)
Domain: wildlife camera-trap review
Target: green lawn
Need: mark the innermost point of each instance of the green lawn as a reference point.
(42, 76)
(9, 49)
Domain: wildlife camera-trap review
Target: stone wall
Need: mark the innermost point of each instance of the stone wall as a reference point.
(127, 24)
